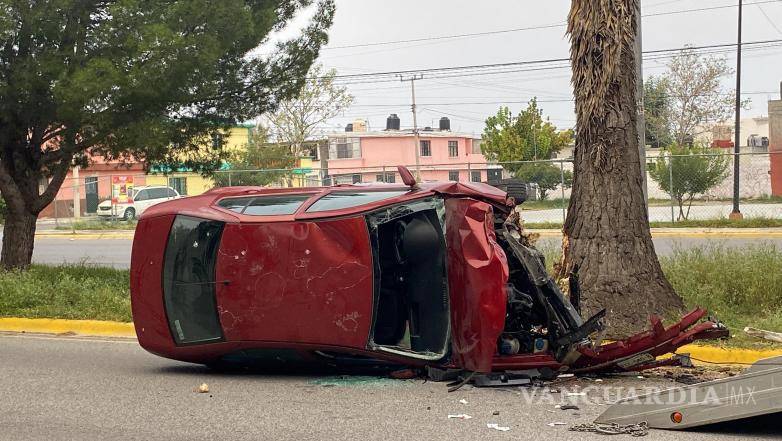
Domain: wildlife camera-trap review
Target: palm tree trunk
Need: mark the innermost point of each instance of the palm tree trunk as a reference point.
(606, 233)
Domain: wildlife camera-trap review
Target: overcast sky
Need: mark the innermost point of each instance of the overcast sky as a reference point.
(468, 100)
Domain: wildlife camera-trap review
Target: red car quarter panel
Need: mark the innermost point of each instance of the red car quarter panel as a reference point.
(477, 276)
(305, 282)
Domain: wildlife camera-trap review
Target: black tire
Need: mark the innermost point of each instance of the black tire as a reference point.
(129, 214)
(515, 189)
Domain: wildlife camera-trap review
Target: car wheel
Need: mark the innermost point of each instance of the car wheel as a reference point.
(130, 213)
(516, 188)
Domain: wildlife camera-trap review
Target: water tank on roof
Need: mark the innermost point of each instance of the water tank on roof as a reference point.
(445, 123)
(392, 122)
(349, 127)
(360, 125)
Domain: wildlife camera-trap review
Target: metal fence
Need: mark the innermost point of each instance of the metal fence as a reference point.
(680, 187)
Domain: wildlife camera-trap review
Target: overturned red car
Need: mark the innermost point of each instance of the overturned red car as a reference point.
(429, 274)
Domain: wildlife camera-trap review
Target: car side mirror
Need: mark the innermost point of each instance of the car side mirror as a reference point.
(407, 177)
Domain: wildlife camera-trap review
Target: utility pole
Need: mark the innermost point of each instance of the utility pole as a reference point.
(736, 214)
(639, 99)
(415, 125)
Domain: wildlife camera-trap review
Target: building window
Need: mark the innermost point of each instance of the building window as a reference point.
(453, 175)
(476, 146)
(426, 148)
(178, 184)
(217, 140)
(475, 176)
(357, 179)
(453, 149)
(389, 178)
(344, 148)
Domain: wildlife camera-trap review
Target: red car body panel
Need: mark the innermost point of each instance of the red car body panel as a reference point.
(304, 282)
(477, 278)
(278, 289)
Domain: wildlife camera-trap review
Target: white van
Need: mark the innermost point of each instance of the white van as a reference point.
(142, 198)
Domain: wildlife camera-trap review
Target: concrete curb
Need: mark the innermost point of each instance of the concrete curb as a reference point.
(85, 234)
(100, 328)
(690, 232)
(714, 354)
(61, 326)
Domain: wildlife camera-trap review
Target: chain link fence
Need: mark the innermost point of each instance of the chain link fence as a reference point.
(693, 187)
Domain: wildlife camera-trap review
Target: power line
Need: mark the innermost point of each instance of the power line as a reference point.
(769, 20)
(528, 28)
(482, 68)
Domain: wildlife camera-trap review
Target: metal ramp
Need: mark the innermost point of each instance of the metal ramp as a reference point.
(756, 391)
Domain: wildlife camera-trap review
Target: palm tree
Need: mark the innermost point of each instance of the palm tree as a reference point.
(606, 234)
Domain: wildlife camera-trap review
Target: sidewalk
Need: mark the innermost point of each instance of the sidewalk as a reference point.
(689, 232)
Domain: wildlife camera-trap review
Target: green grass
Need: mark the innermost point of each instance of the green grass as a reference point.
(740, 286)
(753, 222)
(98, 224)
(69, 292)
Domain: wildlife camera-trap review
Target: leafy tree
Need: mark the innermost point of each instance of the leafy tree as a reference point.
(258, 154)
(657, 112)
(133, 79)
(321, 99)
(548, 176)
(526, 137)
(697, 99)
(687, 172)
(606, 233)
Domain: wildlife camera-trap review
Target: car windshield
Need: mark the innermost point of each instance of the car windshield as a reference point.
(345, 199)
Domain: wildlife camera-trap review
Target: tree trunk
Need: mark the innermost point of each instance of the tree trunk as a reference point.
(18, 239)
(606, 233)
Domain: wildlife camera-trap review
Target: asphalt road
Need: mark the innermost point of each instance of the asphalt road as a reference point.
(116, 252)
(56, 388)
(659, 213)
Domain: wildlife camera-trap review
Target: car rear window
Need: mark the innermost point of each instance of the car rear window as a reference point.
(189, 280)
(265, 205)
(346, 199)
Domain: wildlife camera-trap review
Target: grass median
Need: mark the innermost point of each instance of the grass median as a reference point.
(98, 225)
(741, 286)
(69, 292)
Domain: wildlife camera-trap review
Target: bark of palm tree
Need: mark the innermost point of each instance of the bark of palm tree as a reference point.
(606, 233)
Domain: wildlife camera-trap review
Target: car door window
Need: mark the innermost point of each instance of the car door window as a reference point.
(141, 195)
(158, 193)
(272, 205)
(346, 199)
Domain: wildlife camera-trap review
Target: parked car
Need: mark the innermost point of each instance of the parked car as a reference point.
(431, 274)
(141, 199)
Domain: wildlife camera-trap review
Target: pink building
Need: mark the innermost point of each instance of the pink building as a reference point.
(357, 155)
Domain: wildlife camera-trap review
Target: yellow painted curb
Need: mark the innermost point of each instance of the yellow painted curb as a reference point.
(713, 354)
(60, 326)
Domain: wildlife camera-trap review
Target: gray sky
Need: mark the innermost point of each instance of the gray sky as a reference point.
(468, 100)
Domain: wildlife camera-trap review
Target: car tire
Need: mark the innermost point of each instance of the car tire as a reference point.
(516, 189)
(129, 214)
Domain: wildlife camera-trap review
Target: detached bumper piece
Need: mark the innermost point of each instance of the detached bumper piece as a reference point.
(641, 351)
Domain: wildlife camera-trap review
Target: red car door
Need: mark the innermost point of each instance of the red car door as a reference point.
(477, 278)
